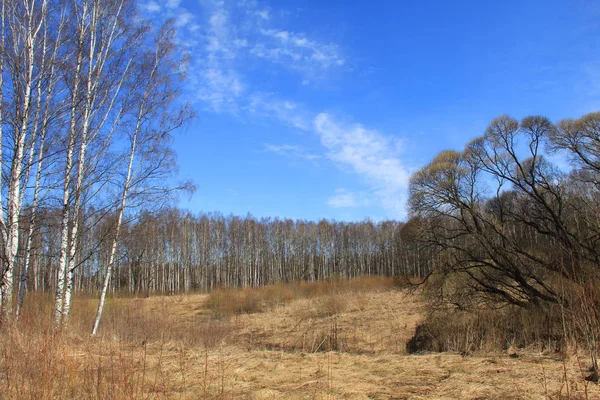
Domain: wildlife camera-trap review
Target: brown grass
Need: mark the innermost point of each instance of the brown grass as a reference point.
(227, 302)
(337, 340)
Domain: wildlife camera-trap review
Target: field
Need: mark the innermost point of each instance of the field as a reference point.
(343, 340)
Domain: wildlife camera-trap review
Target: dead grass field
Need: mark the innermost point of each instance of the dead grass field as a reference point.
(331, 344)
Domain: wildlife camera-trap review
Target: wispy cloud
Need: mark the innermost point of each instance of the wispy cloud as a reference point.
(221, 89)
(230, 42)
(151, 7)
(297, 52)
(220, 85)
(294, 151)
(183, 18)
(346, 199)
(263, 14)
(371, 155)
(285, 111)
(171, 4)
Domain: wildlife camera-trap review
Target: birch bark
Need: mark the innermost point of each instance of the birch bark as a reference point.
(24, 33)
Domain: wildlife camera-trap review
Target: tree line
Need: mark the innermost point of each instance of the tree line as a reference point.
(175, 251)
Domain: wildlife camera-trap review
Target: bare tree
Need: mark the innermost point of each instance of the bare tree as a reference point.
(153, 117)
(24, 60)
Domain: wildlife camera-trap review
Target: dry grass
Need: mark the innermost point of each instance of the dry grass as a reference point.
(315, 342)
(364, 323)
(227, 302)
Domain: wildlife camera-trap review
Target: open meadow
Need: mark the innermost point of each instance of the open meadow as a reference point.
(395, 200)
(340, 340)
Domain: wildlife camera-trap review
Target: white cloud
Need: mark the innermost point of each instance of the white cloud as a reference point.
(371, 155)
(297, 52)
(171, 4)
(151, 7)
(283, 110)
(221, 35)
(240, 43)
(219, 84)
(220, 89)
(263, 14)
(183, 19)
(346, 199)
(293, 151)
(230, 41)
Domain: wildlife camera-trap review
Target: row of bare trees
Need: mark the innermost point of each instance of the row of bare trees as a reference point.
(508, 227)
(173, 251)
(88, 95)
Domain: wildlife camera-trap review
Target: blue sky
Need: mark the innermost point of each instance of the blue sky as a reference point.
(322, 109)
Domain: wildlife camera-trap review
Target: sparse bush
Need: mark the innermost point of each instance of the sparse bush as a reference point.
(583, 317)
(323, 340)
(228, 302)
(465, 332)
(278, 294)
(463, 320)
(332, 304)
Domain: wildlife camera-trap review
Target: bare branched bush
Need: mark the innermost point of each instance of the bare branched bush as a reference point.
(472, 331)
(333, 304)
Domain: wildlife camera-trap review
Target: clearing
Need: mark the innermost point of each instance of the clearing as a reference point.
(338, 344)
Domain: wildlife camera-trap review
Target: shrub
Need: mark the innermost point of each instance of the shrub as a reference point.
(227, 302)
(333, 304)
(465, 332)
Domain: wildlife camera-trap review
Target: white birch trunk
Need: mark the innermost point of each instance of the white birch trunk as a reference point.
(43, 127)
(32, 222)
(64, 228)
(113, 249)
(96, 60)
(77, 189)
(2, 220)
(14, 200)
(126, 187)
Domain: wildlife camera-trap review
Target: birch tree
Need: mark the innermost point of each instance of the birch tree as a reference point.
(105, 45)
(24, 43)
(148, 125)
(47, 112)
